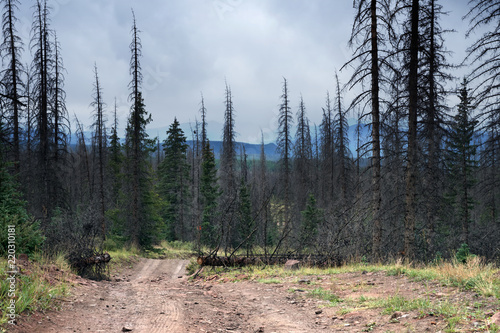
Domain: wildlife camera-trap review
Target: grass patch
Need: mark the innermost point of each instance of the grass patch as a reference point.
(453, 314)
(325, 295)
(474, 275)
(37, 287)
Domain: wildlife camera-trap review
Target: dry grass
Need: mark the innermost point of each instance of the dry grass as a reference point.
(475, 275)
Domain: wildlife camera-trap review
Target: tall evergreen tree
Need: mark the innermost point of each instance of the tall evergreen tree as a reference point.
(227, 174)
(173, 174)
(209, 229)
(142, 220)
(461, 161)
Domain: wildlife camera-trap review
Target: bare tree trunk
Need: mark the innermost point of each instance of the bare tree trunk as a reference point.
(412, 136)
(376, 196)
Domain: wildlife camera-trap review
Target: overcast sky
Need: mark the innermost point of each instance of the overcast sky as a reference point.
(193, 46)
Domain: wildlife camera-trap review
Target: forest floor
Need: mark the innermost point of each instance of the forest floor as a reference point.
(155, 295)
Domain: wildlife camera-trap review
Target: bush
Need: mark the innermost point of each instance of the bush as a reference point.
(28, 236)
(463, 254)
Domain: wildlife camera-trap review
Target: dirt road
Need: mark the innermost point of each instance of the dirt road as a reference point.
(155, 296)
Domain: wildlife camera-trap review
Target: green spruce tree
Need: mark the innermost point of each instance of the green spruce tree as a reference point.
(173, 182)
(246, 224)
(311, 219)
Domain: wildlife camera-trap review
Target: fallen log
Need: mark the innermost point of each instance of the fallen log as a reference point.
(321, 261)
(228, 261)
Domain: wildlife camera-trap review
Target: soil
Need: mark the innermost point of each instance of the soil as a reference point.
(156, 296)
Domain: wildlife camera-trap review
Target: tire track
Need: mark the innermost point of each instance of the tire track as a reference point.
(161, 311)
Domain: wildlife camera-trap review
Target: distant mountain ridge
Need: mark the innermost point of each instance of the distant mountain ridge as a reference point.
(252, 150)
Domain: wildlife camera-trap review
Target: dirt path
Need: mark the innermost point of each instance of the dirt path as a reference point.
(145, 299)
(155, 296)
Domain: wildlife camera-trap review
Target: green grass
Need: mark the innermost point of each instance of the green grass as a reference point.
(325, 295)
(35, 290)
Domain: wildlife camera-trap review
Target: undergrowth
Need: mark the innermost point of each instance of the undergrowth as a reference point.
(37, 287)
(474, 275)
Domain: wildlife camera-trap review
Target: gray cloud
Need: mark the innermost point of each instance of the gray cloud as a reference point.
(191, 46)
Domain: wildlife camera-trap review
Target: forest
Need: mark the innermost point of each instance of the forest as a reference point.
(424, 184)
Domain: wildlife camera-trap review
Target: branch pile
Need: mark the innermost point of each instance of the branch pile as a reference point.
(90, 263)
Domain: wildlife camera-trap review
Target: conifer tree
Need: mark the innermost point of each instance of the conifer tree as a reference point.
(461, 162)
(327, 156)
(51, 124)
(227, 174)
(99, 144)
(12, 82)
(343, 154)
(311, 219)
(284, 147)
(302, 156)
(115, 159)
(173, 174)
(209, 189)
(246, 222)
(143, 221)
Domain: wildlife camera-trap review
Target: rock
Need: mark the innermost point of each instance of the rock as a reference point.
(396, 315)
(495, 319)
(126, 329)
(23, 258)
(292, 265)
